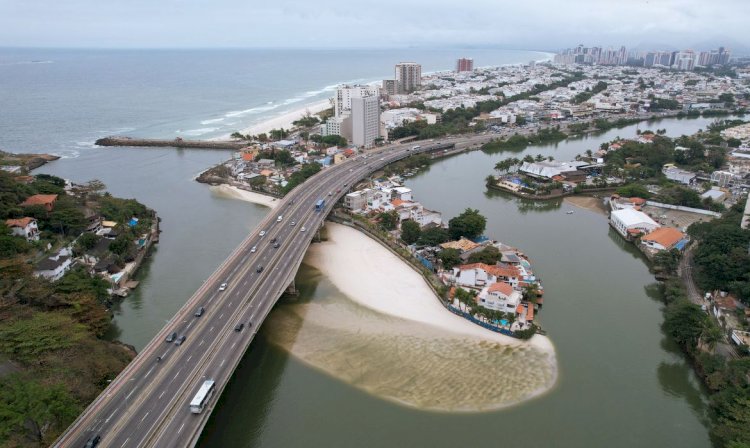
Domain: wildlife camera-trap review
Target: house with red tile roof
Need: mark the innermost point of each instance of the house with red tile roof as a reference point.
(46, 200)
(480, 274)
(663, 238)
(499, 296)
(25, 227)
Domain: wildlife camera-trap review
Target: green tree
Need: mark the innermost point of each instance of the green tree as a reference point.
(685, 321)
(433, 236)
(450, 258)
(410, 231)
(667, 261)
(31, 409)
(488, 255)
(388, 220)
(469, 224)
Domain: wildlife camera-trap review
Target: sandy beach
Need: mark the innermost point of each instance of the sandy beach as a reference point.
(376, 278)
(285, 120)
(244, 195)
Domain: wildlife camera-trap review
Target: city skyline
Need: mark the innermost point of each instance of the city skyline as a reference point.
(537, 25)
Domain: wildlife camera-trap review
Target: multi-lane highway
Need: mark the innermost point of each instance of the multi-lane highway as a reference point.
(147, 404)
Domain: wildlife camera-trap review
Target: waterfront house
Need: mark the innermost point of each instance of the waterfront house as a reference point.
(480, 274)
(45, 200)
(630, 222)
(664, 238)
(25, 227)
(500, 296)
(53, 268)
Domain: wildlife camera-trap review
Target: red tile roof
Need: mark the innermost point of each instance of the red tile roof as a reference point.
(666, 236)
(21, 222)
(40, 199)
(497, 271)
(501, 287)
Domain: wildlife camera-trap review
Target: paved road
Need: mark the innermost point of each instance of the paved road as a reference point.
(147, 404)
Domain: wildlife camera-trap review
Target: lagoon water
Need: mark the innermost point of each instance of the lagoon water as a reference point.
(621, 381)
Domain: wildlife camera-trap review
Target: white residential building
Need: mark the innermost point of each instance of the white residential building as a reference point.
(630, 221)
(365, 114)
(678, 175)
(500, 296)
(25, 227)
(53, 268)
(345, 94)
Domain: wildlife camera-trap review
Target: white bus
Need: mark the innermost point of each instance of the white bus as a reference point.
(201, 398)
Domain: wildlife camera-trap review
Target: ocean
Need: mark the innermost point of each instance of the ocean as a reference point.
(61, 101)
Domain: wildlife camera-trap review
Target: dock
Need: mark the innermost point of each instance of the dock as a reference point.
(174, 143)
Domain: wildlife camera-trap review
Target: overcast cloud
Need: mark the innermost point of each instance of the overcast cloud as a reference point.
(524, 24)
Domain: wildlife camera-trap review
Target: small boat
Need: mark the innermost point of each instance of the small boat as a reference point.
(570, 212)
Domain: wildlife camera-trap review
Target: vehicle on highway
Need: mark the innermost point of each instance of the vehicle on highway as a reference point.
(239, 327)
(171, 337)
(199, 312)
(338, 191)
(320, 204)
(302, 229)
(180, 340)
(262, 233)
(276, 245)
(253, 249)
(259, 270)
(273, 240)
(279, 218)
(293, 224)
(201, 398)
(93, 442)
(330, 193)
(382, 158)
(415, 147)
(222, 287)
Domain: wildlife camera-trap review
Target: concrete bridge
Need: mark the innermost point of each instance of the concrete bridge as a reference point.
(148, 403)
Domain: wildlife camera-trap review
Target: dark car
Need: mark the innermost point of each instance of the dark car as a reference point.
(276, 245)
(180, 340)
(94, 441)
(273, 240)
(259, 270)
(172, 337)
(239, 327)
(199, 312)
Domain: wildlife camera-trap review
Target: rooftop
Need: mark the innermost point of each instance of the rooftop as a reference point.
(665, 236)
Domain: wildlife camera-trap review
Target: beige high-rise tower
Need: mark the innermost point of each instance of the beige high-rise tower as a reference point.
(408, 76)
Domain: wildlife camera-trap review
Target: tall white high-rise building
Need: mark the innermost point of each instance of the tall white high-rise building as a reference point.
(365, 120)
(408, 76)
(345, 94)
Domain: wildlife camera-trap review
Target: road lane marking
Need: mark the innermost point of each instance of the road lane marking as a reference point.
(148, 373)
(222, 315)
(181, 426)
(230, 303)
(202, 341)
(111, 415)
(188, 360)
(144, 416)
(125, 442)
(161, 394)
(176, 374)
(131, 393)
(222, 362)
(191, 323)
(233, 345)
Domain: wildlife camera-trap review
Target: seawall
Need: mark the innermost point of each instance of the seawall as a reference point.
(176, 143)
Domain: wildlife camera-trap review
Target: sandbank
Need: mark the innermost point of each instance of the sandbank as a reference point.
(372, 276)
(244, 195)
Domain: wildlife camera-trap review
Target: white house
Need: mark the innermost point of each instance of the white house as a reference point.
(53, 268)
(677, 175)
(481, 274)
(500, 296)
(403, 193)
(25, 227)
(629, 221)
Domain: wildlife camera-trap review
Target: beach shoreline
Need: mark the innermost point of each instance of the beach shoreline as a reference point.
(286, 119)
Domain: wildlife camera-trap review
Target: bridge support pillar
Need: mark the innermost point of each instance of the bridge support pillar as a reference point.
(292, 289)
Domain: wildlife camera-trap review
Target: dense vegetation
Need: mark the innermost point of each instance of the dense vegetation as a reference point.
(52, 360)
(519, 142)
(308, 170)
(469, 224)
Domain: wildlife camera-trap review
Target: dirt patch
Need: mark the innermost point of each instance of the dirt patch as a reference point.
(590, 203)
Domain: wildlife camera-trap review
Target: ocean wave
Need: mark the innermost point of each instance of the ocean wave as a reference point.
(213, 120)
(197, 132)
(25, 63)
(66, 153)
(86, 144)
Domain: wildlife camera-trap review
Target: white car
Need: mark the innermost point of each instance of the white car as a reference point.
(222, 287)
(253, 249)
(262, 233)
(302, 229)
(293, 224)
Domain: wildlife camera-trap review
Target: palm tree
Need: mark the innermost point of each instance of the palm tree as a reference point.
(530, 293)
(711, 335)
(539, 158)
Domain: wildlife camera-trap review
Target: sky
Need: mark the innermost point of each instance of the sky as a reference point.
(519, 24)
